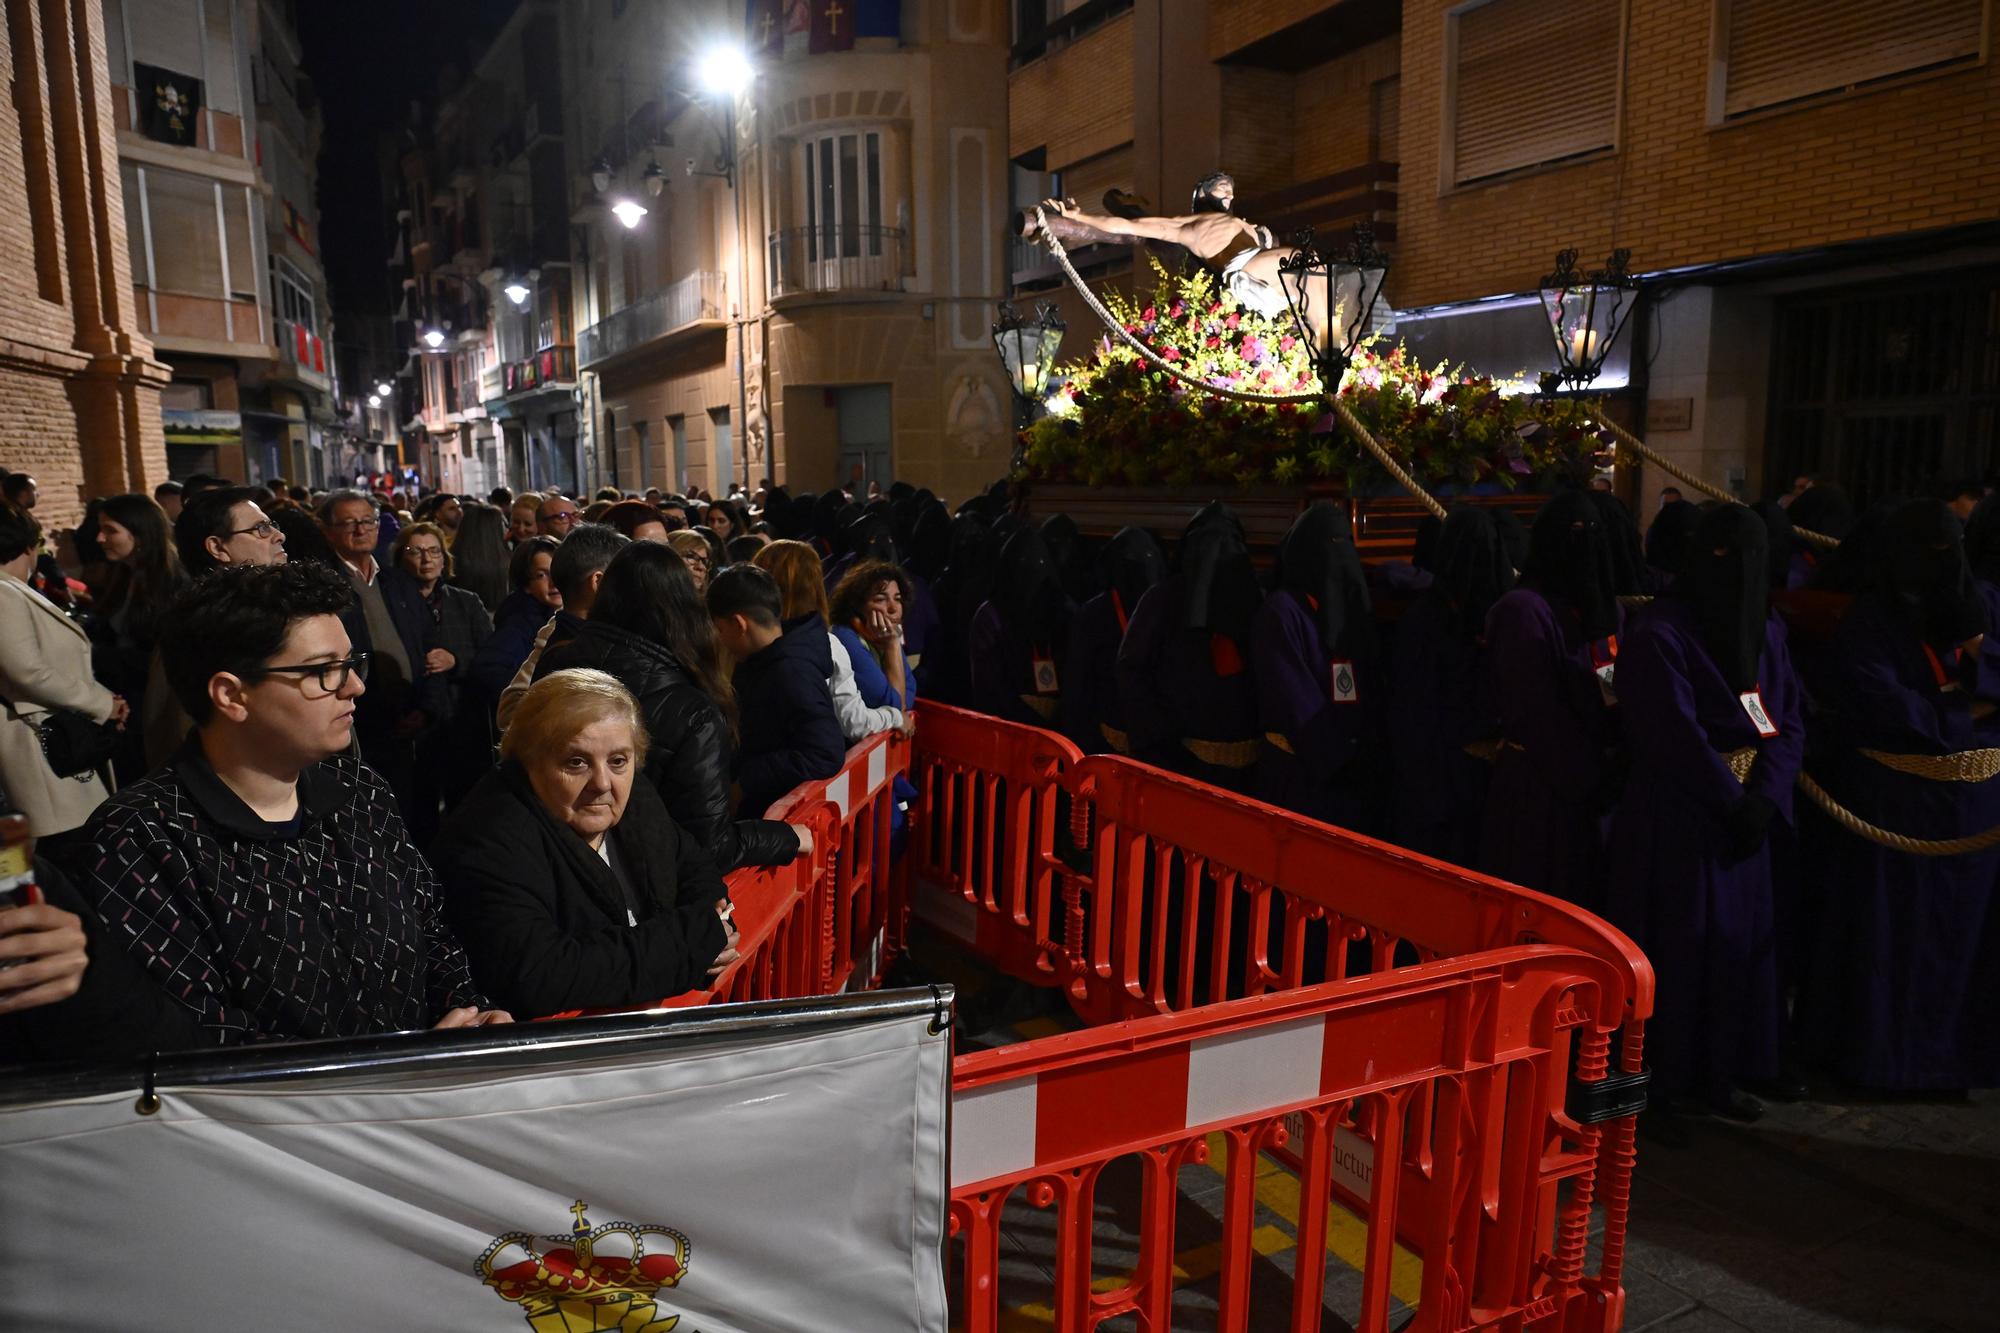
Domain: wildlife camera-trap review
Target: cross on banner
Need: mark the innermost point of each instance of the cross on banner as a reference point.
(830, 29)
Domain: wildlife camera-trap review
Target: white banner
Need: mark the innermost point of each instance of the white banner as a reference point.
(795, 1182)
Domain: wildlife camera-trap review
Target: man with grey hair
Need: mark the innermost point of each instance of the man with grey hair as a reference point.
(390, 623)
(577, 569)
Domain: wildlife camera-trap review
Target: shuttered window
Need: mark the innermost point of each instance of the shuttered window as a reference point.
(1770, 52)
(1532, 81)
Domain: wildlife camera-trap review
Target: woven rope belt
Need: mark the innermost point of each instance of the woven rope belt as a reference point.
(1964, 766)
(1741, 761)
(1043, 704)
(1118, 740)
(1488, 749)
(1223, 754)
(1278, 741)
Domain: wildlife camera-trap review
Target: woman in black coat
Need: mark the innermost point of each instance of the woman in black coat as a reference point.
(650, 629)
(565, 878)
(454, 752)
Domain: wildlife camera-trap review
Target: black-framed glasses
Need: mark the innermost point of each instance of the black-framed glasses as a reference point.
(424, 552)
(332, 676)
(262, 531)
(356, 524)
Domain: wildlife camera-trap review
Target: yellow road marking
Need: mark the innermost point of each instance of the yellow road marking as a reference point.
(1194, 1265)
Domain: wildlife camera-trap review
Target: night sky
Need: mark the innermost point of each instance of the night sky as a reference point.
(369, 59)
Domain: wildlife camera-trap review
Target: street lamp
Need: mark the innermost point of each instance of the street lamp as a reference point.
(1586, 313)
(1331, 299)
(628, 212)
(374, 400)
(600, 175)
(433, 338)
(517, 292)
(1027, 349)
(655, 179)
(382, 388)
(724, 69)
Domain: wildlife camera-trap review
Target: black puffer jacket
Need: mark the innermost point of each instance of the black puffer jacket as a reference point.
(691, 748)
(544, 920)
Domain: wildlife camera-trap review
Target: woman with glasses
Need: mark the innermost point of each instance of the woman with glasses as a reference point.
(452, 754)
(695, 551)
(650, 629)
(143, 576)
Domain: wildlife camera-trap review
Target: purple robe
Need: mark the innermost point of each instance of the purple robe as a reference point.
(1332, 772)
(1168, 682)
(1705, 921)
(1553, 778)
(1905, 981)
(1436, 709)
(1003, 671)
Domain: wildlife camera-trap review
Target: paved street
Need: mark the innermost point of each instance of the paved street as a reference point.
(1833, 1214)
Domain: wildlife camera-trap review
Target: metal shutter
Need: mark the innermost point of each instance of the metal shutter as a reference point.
(1533, 81)
(1779, 50)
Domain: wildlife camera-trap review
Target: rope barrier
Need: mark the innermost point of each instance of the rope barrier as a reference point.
(1897, 842)
(1354, 425)
(1633, 445)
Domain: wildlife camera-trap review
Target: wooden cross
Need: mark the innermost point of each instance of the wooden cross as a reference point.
(765, 22)
(834, 10)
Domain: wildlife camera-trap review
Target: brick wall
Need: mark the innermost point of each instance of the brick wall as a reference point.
(79, 391)
(1895, 159)
(1077, 101)
(1330, 106)
(1235, 24)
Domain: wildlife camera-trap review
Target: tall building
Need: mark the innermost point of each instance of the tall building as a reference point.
(809, 291)
(79, 388)
(218, 139)
(1810, 191)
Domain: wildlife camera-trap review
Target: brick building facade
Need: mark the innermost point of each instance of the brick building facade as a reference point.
(1811, 191)
(79, 388)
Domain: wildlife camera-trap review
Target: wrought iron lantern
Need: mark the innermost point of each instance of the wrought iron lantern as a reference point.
(1586, 314)
(1332, 298)
(1027, 347)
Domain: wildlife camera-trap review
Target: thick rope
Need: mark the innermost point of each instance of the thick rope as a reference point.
(1861, 828)
(1353, 423)
(1633, 445)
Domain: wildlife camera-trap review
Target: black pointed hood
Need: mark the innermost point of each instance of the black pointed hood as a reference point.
(1130, 563)
(1029, 593)
(1569, 558)
(1725, 578)
(1471, 569)
(1923, 573)
(1317, 563)
(1222, 589)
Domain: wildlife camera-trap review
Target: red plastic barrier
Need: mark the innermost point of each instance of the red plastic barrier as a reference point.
(1453, 1071)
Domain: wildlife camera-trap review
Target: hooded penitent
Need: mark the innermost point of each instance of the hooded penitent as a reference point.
(1667, 540)
(1621, 536)
(1778, 529)
(869, 537)
(1317, 564)
(1470, 566)
(1725, 578)
(1924, 576)
(1222, 589)
(1569, 558)
(1130, 563)
(1982, 540)
(1029, 594)
(930, 541)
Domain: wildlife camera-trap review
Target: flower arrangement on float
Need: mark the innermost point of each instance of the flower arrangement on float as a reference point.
(1118, 420)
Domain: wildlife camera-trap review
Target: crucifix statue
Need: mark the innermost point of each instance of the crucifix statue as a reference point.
(1244, 255)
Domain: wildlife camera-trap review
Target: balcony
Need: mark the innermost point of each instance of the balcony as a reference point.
(490, 382)
(836, 259)
(694, 300)
(549, 368)
(1331, 204)
(301, 355)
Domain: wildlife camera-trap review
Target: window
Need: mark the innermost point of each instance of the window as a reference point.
(1771, 52)
(187, 243)
(844, 196)
(292, 295)
(1529, 82)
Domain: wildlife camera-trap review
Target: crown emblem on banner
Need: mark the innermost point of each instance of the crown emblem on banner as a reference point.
(582, 1285)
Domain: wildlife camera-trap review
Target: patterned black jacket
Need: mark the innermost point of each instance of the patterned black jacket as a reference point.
(326, 926)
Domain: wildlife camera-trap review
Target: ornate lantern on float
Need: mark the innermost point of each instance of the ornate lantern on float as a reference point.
(1332, 298)
(1586, 313)
(1027, 349)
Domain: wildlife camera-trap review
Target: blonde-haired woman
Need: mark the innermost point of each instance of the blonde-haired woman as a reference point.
(795, 567)
(695, 550)
(566, 880)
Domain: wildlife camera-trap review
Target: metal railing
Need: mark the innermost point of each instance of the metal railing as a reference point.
(839, 258)
(697, 297)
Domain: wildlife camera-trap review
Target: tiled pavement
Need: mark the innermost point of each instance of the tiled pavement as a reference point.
(1832, 1214)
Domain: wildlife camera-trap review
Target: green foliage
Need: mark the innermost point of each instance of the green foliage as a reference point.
(1121, 421)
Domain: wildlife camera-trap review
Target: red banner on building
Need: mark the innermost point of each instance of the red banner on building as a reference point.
(832, 26)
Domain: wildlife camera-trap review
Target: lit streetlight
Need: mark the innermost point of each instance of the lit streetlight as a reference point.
(382, 388)
(433, 338)
(374, 400)
(628, 212)
(517, 292)
(724, 69)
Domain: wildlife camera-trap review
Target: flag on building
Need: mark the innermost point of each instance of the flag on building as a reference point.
(832, 26)
(169, 104)
(762, 1178)
(764, 27)
(878, 18)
